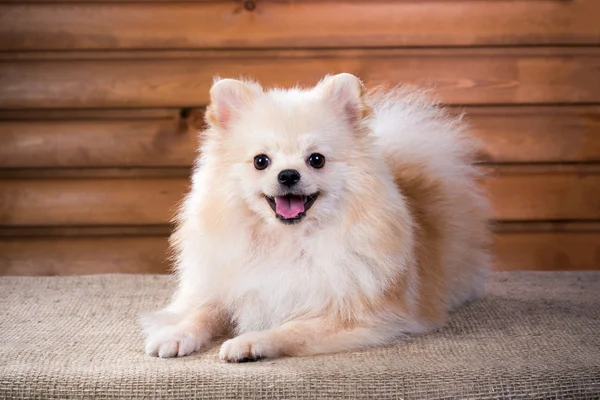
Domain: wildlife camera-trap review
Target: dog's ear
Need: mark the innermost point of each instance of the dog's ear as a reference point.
(228, 97)
(345, 92)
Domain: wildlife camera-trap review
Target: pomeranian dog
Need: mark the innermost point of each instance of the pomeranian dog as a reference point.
(322, 220)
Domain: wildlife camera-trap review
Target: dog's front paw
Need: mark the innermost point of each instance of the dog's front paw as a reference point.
(250, 346)
(173, 341)
(168, 335)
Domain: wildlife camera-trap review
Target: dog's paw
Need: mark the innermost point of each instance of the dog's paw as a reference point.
(168, 335)
(173, 341)
(250, 346)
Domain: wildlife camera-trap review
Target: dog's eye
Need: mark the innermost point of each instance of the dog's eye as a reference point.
(261, 161)
(316, 160)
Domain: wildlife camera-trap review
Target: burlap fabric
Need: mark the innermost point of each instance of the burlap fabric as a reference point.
(536, 335)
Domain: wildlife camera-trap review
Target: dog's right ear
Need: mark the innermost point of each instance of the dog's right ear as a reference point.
(345, 92)
(227, 98)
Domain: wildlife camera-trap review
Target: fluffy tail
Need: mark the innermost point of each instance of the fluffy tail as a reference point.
(431, 157)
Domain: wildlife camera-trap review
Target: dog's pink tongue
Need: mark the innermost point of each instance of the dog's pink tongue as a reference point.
(289, 206)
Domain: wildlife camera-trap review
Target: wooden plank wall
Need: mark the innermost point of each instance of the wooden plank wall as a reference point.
(100, 101)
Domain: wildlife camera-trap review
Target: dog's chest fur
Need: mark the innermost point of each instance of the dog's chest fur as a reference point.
(297, 277)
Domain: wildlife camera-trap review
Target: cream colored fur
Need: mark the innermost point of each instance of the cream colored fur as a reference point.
(396, 239)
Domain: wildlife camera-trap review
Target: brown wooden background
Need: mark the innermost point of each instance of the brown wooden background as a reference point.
(99, 102)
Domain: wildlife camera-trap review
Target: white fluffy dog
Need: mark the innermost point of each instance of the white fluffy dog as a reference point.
(322, 220)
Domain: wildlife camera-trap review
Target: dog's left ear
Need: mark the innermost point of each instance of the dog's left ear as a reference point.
(227, 98)
(346, 93)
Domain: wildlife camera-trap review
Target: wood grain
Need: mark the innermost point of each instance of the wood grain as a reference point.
(142, 201)
(536, 134)
(459, 76)
(87, 231)
(547, 251)
(94, 173)
(296, 24)
(500, 227)
(90, 114)
(83, 255)
(573, 194)
(68, 255)
(525, 134)
(523, 194)
(95, 143)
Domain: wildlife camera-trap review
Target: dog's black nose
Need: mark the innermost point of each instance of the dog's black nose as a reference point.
(288, 177)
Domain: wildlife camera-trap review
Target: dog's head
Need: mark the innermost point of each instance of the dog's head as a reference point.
(291, 155)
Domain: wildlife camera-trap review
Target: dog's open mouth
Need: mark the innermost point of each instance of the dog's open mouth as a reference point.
(291, 208)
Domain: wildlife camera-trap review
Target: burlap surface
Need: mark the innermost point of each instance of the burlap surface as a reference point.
(536, 335)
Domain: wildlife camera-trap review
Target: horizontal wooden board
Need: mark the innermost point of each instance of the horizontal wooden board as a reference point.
(536, 134)
(69, 255)
(87, 231)
(459, 76)
(89, 201)
(498, 227)
(94, 173)
(573, 194)
(95, 143)
(538, 194)
(83, 255)
(90, 114)
(508, 135)
(547, 251)
(300, 24)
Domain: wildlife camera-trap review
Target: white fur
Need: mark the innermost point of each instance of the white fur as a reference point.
(233, 257)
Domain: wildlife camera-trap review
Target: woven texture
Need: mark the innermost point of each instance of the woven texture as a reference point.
(536, 335)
